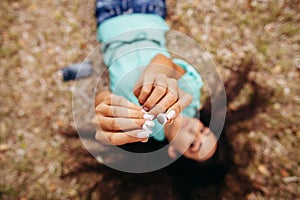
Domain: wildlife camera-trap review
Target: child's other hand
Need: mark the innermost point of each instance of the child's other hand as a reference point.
(119, 121)
(159, 94)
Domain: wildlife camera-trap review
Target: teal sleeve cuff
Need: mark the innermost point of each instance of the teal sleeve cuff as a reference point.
(191, 82)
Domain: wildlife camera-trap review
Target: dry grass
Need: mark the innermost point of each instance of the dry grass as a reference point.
(39, 37)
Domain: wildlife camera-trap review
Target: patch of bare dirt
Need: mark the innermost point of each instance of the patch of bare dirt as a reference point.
(255, 45)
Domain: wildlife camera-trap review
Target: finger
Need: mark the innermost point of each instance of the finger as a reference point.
(145, 140)
(146, 88)
(117, 111)
(168, 100)
(103, 137)
(118, 124)
(119, 138)
(129, 137)
(121, 101)
(139, 84)
(137, 88)
(160, 89)
(184, 100)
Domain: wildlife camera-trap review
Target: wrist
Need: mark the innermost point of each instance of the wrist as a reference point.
(162, 64)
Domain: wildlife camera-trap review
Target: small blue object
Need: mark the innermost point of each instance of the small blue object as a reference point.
(77, 71)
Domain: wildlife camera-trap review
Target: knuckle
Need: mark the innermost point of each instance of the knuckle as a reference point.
(146, 90)
(97, 120)
(101, 125)
(101, 137)
(136, 114)
(123, 101)
(158, 109)
(172, 96)
(136, 91)
(147, 83)
(105, 110)
(161, 89)
(161, 76)
(114, 112)
(100, 106)
(173, 81)
(98, 136)
(172, 100)
(149, 75)
(114, 100)
(139, 122)
(107, 98)
(141, 100)
(174, 91)
(178, 108)
(114, 124)
(114, 140)
(137, 84)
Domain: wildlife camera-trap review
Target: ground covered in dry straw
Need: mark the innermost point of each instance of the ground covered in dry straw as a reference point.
(255, 44)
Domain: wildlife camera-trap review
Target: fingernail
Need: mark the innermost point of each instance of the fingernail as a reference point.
(143, 134)
(146, 128)
(171, 114)
(149, 123)
(148, 116)
(162, 118)
(145, 140)
(145, 108)
(143, 111)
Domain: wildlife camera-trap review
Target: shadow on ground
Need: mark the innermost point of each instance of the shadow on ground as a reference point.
(183, 179)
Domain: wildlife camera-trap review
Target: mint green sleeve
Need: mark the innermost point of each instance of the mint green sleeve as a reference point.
(191, 82)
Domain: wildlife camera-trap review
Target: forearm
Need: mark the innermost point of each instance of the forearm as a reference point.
(162, 64)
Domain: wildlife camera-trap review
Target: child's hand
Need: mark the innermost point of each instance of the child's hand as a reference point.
(120, 121)
(159, 94)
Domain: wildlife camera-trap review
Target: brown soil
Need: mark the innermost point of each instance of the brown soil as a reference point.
(255, 45)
